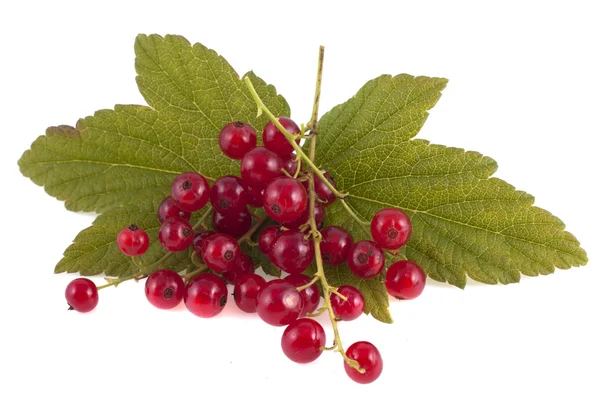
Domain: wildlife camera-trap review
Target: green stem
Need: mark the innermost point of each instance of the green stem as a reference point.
(115, 282)
(363, 224)
(260, 219)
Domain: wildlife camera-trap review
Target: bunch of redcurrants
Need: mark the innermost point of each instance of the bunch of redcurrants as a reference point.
(272, 178)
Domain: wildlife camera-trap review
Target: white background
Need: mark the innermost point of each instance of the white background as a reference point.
(523, 89)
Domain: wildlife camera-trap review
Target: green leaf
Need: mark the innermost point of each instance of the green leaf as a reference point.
(465, 223)
(126, 154)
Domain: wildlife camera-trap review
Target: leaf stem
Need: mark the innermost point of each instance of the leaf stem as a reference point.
(314, 280)
(292, 138)
(260, 219)
(363, 224)
(116, 282)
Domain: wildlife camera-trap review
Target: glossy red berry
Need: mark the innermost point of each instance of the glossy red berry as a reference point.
(266, 238)
(323, 191)
(260, 166)
(255, 196)
(285, 199)
(366, 259)
(165, 289)
(290, 164)
(190, 191)
(221, 252)
(81, 295)
(302, 340)
(229, 195)
(279, 303)
(350, 309)
(319, 217)
(200, 242)
(244, 266)
(275, 141)
(369, 358)
(291, 252)
(205, 295)
(176, 234)
(246, 292)
(335, 245)
(310, 296)
(169, 209)
(391, 228)
(236, 139)
(235, 225)
(133, 241)
(405, 280)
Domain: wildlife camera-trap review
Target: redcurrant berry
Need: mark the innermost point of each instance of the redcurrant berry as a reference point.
(366, 259)
(290, 164)
(190, 191)
(244, 266)
(169, 209)
(200, 242)
(235, 225)
(368, 358)
(279, 303)
(221, 252)
(176, 234)
(229, 195)
(165, 289)
(236, 139)
(391, 228)
(335, 245)
(291, 252)
(350, 309)
(323, 191)
(405, 280)
(81, 295)
(275, 141)
(260, 166)
(246, 291)
(205, 295)
(255, 196)
(319, 217)
(303, 340)
(285, 199)
(266, 238)
(133, 241)
(310, 296)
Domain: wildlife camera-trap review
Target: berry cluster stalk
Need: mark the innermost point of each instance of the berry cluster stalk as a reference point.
(328, 290)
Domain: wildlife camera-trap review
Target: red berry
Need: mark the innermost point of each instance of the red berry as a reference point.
(221, 252)
(290, 164)
(352, 308)
(260, 166)
(246, 291)
(279, 303)
(266, 238)
(236, 139)
(244, 266)
(405, 280)
(176, 234)
(275, 141)
(291, 252)
(229, 195)
(285, 199)
(335, 245)
(200, 242)
(255, 196)
(81, 295)
(165, 289)
(366, 259)
(319, 217)
(323, 191)
(235, 225)
(310, 296)
(190, 191)
(391, 228)
(133, 241)
(205, 295)
(302, 340)
(369, 358)
(169, 209)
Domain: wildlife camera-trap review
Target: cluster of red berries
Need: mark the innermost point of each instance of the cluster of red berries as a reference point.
(285, 199)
